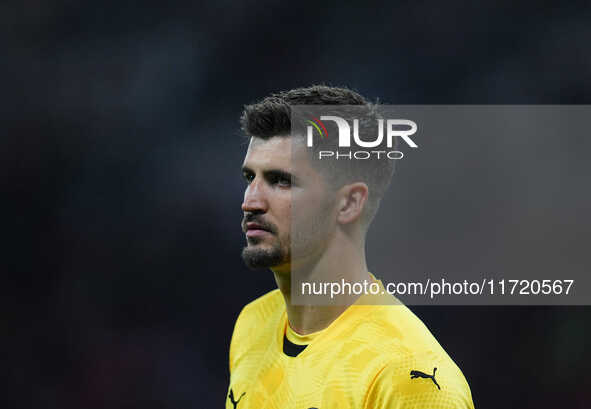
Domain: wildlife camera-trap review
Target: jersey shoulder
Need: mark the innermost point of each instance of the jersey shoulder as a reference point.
(401, 328)
(262, 314)
(391, 329)
(264, 306)
(417, 371)
(422, 381)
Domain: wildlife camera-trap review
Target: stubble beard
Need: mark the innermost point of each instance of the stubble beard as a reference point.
(256, 257)
(303, 245)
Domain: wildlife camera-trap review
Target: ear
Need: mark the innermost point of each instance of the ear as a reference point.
(352, 200)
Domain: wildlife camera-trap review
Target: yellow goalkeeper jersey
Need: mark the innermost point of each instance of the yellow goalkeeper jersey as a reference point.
(370, 357)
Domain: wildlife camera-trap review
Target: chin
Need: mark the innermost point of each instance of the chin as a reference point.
(258, 256)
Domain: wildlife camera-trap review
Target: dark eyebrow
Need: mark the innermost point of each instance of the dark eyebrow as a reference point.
(272, 173)
(278, 173)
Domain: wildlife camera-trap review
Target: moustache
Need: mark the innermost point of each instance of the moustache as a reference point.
(253, 218)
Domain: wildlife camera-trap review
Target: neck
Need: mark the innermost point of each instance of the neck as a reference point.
(342, 260)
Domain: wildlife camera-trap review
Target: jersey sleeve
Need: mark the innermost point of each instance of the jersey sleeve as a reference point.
(415, 383)
(236, 340)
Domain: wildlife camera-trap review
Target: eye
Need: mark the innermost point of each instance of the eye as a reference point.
(248, 177)
(283, 181)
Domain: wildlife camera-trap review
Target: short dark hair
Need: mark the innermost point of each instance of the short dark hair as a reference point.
(271, 117)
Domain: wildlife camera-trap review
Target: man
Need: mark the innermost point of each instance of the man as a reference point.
(351, 355)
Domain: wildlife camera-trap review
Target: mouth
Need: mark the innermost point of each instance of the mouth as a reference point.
(255, 230)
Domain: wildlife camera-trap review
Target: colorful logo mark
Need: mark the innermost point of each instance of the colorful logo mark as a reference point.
(315, 124)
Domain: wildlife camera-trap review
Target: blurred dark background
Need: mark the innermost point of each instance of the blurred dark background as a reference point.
(121, 156)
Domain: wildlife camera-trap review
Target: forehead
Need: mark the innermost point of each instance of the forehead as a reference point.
(280, 152)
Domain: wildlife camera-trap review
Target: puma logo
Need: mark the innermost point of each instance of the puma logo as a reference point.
(231, 396)
(418, 374)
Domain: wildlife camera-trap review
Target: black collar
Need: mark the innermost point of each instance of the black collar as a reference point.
(291, 349)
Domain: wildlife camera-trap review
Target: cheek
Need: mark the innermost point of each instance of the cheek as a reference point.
(310, 212)
(283, 212)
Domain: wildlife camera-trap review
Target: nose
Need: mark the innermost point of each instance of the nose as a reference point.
(254, 198)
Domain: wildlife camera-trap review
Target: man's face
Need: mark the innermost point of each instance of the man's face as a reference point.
(287, 204)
